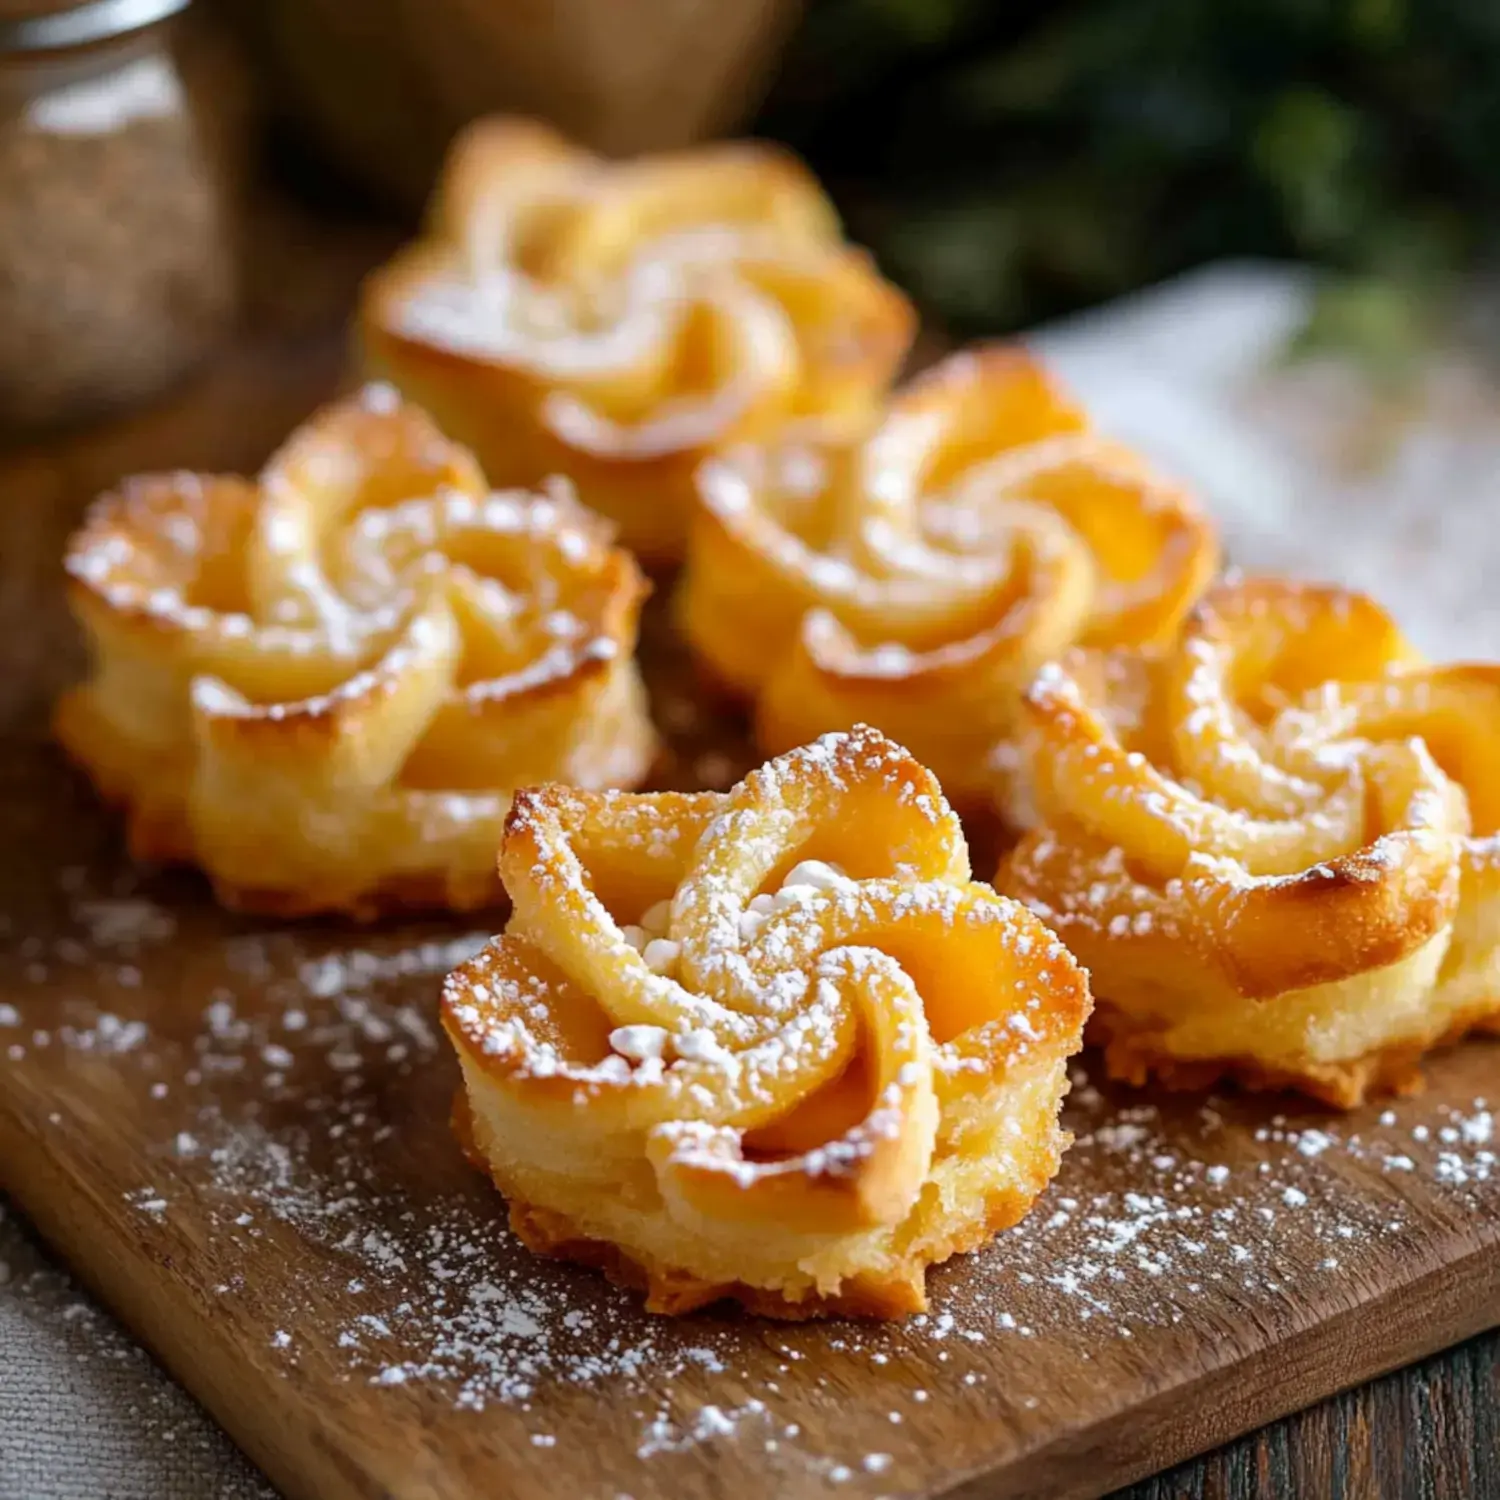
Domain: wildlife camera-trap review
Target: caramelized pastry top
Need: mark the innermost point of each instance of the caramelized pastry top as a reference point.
(334, 676)
(920, 579)
(1285, 805)
(778, 1014)
(614, 321)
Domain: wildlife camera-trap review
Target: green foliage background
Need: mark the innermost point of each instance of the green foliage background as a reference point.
(1009, 161)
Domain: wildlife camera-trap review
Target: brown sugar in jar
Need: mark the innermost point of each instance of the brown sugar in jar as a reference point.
(116, 257)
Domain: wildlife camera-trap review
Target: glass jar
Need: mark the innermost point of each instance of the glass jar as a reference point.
(116, 256)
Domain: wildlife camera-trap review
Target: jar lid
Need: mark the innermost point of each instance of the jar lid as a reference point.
(75, 25)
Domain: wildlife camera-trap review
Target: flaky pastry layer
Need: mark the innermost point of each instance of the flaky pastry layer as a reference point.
(323, 685)
(619, 321)
(772, 1044)
(1273, 844)
(917, 581)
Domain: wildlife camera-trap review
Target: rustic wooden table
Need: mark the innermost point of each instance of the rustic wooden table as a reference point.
(1433, 1430)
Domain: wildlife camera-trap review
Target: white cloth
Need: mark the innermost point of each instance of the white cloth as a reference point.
(84, 1412)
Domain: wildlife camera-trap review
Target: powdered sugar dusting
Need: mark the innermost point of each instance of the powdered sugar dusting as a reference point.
(777, 971)
(368, 567)
(289, 1088)
(301, 1120)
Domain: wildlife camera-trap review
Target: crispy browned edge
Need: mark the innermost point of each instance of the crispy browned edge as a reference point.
(1132, 1055)
(153, 838)
(672, 1291)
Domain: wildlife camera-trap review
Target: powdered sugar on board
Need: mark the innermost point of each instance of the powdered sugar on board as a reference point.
(289, 1094)
(296, 1115)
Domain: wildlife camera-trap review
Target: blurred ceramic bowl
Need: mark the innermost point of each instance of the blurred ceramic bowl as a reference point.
(383, 84)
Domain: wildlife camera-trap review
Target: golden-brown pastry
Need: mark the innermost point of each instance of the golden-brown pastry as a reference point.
(1273, 844)
(919, 580)
(616, 322)
(771, 1044)
(323, 686)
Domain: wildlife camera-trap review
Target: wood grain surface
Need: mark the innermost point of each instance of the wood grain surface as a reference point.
(1429, 1431)
(236, 1134)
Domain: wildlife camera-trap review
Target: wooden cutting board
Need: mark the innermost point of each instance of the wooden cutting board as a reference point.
(237, 1134)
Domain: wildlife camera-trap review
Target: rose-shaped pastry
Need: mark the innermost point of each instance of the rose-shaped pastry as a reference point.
(617, 321)
(771, 1044)
(919, 580)
(323, 686)
(1273, 844)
